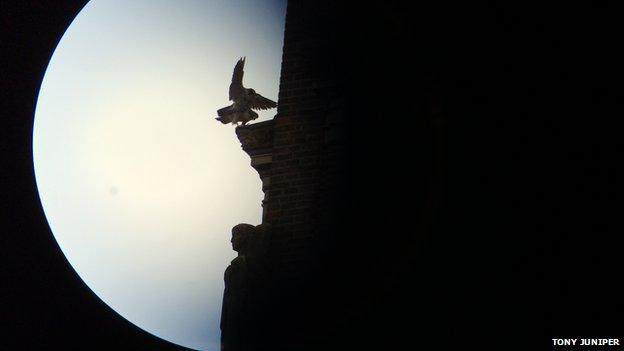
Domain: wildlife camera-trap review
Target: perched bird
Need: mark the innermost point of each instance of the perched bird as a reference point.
(244, 100)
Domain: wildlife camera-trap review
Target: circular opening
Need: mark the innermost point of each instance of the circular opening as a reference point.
(139, 183)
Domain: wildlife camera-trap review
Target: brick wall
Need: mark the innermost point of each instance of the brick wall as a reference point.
(333, 181)
(305, 107)
(306, 159)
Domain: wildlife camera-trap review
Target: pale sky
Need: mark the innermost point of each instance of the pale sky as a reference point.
(139, 183)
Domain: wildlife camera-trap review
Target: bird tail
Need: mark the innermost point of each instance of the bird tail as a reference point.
(224, 111)
(226, 115)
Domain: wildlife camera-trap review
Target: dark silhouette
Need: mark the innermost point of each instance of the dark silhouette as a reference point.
(244, 100)
(505, 159)
(243, 295)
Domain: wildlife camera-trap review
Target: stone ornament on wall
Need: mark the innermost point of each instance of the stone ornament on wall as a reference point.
(257, 136)
(245, 292)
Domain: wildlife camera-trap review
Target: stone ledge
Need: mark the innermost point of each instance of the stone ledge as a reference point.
(256, 139)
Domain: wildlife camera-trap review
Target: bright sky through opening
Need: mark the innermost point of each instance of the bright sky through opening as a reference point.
(139, 183)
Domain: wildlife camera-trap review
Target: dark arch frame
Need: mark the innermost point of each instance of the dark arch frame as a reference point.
(44, 304)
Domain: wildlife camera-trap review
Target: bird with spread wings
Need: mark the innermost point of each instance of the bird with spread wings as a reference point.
(244, 100)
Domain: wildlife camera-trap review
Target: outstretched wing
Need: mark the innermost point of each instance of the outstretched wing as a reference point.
(259, 102)
(236, 87)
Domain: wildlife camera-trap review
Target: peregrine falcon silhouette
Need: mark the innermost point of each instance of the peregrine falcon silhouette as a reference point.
(244, 100)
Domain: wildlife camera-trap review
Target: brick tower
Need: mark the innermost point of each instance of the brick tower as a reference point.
(334, 183)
